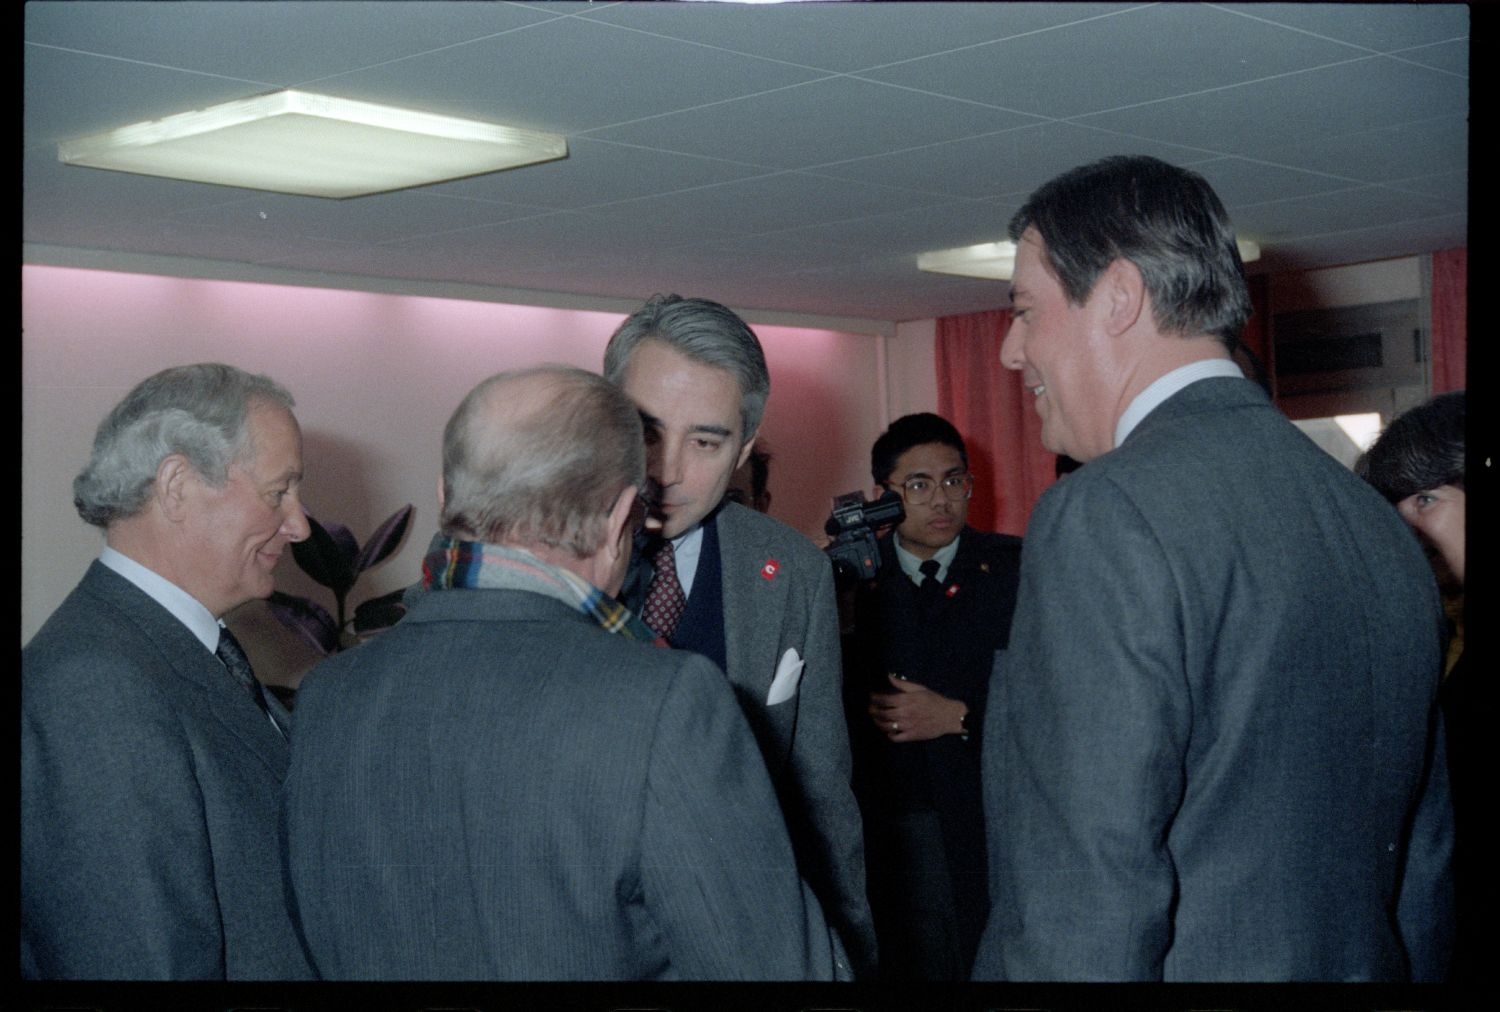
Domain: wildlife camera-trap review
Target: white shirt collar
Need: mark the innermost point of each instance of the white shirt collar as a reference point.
(685, 551)
(1151, 398)
(186, 608)
(912, 566)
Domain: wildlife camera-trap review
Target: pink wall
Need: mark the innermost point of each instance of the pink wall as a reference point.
(375, 377)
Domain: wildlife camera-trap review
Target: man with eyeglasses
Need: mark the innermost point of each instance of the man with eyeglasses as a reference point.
(924, 637)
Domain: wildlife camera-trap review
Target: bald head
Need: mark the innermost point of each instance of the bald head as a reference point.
(538, 457)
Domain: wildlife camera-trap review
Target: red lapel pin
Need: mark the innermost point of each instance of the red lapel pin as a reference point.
(768, 571)
(952, 589)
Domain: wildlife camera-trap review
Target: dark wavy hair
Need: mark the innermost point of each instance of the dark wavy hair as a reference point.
(1166, 220)
(1420, 450)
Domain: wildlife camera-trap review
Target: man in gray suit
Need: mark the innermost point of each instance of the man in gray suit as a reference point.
(1209, 750)
(151, 759)
(746, 591)
(506, 787)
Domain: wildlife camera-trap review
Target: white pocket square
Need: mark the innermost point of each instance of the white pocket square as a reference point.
(788, 677)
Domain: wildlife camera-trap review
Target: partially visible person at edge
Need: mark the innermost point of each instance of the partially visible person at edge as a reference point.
(151, 757)
(1417, 463)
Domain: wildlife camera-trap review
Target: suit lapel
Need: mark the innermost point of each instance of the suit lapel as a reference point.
(184, 655)
(749, 644)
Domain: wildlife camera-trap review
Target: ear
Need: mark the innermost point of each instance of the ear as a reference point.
(1123, 294)
(617, 531)
(442, 498)
(745, 450)
(175, 482)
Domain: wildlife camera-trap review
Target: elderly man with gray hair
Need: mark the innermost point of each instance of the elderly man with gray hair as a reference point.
(517, 782)
(151, 758)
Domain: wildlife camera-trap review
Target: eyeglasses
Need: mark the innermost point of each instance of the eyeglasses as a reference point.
(918, 491)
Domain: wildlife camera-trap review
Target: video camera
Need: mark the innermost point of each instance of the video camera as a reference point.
(854, 551)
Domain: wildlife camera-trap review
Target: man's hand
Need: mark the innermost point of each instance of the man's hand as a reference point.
(915, 713)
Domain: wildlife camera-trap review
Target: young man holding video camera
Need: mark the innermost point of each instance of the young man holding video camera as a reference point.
(917, 669)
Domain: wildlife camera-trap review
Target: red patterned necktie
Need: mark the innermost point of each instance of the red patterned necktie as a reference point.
(665, 601)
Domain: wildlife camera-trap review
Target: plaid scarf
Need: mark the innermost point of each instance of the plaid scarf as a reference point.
(479, 565)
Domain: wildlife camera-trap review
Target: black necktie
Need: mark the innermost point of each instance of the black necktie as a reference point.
(233, 655)
(929, 589)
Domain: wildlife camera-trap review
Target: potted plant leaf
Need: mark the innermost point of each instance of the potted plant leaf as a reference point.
(334, 559)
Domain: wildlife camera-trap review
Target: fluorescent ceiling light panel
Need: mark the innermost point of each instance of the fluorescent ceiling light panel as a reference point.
(315, 145)
(993, 260)
(996, 261)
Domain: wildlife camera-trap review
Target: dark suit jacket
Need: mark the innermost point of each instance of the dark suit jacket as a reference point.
(149, 797)
(946, 643)
(1210, 733)
(498, 789)
(778, 596)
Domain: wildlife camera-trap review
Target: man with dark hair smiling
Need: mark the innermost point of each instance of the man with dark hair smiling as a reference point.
(1213, 725)
(918, 665)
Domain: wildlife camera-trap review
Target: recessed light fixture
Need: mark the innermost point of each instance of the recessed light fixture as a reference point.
(993, 260)
(315, 145)
(996, 261)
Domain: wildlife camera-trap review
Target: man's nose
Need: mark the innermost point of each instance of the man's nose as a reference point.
(1013, 349)
(666, 464)
(294, 524)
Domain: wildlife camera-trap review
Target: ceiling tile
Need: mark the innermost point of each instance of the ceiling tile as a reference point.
(1380, 27)
(1296, 108)
(1125, 57)
(1011, 161)
(567, 75)
(845, 38)
(281, 45)
(765, 204)
(825, 121)
(599, 172)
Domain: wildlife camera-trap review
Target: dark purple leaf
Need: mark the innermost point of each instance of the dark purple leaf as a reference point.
(379, 612)
(384, 541)
(344, 538)
(327, 555)
(307, 619)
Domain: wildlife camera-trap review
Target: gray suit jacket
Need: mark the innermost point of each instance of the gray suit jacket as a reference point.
(805, 740)
(778, 596)
(150, 786)
(1210, 733)
(498, 789)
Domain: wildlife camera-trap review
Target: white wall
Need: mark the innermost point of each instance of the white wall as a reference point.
(375, 377)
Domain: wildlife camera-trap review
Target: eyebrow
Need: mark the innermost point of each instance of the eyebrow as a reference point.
(712, 430)
(923, 474)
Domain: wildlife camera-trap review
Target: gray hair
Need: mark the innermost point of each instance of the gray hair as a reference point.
(705, 332)
(198, 411)
(543, 464)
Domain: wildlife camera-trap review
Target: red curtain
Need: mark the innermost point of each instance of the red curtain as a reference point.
(1450, 328)
(996, 417)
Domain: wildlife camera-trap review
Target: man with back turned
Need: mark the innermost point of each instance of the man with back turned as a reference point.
(1209, 748)
(515, 782)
